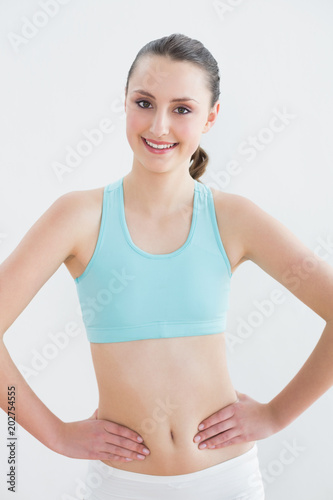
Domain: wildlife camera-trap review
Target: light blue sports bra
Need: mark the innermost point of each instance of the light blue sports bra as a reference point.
(128, 294)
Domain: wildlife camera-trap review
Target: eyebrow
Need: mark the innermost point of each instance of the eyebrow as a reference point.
(178, 99)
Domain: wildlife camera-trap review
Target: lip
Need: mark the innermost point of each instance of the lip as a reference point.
(159, 143)
(159, 151)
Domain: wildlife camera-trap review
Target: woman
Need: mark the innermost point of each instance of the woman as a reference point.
(152, 255)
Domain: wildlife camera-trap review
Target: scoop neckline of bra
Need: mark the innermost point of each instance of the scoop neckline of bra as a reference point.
(162, 255)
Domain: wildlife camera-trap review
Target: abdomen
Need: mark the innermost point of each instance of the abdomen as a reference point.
(163, 389)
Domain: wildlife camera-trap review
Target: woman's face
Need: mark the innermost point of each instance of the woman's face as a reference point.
(168, 102)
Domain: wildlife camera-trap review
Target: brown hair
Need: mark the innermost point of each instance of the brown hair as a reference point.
(182, 48)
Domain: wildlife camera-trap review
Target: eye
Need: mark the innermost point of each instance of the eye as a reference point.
(144, 107)
(181, 109)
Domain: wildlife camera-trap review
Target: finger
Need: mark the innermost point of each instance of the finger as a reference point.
(235, 440)
(117, 458)
(110, 457)
(128, 444)
(124, 452)
(215, 429)
(219, 416)
(110, 451)
(121, 430)
(221, 439)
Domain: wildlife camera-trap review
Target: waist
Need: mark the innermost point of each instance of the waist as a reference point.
(227, 467)
(172, 450)
(163, 389)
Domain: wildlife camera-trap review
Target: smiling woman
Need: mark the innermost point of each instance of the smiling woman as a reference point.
(166, 346)
(152, 255)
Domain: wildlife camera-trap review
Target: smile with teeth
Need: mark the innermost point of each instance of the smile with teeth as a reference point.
(160, 146)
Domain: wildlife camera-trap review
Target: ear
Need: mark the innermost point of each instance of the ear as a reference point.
(212, 117)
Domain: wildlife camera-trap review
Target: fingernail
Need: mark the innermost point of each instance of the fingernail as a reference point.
(129, 459)
(145, 450)
(139, 438)
(202, 445)
(140, 456)
(201, 426)
(197, 438)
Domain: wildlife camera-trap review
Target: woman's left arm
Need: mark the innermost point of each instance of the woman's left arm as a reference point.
(270, 245)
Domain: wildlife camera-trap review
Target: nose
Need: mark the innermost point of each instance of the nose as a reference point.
(160, 124)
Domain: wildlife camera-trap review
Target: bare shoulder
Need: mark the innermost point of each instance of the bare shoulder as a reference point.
(55, 238)
(251, 233)
(77, 212)
(85, 208)
(245, 221)
(233, 213)
(236, 209)
(230, 202)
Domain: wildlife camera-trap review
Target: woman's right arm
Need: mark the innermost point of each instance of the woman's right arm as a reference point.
(52, 240)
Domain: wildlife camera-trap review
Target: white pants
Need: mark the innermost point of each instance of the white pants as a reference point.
(236, 479)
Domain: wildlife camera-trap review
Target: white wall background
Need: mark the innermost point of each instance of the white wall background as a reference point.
(67, 77)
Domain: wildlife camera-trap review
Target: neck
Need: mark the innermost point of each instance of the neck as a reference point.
(158, 194)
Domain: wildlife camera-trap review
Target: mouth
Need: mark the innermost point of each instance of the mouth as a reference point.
(159, 148)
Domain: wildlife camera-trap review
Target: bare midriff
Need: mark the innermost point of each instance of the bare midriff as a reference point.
(163, 389)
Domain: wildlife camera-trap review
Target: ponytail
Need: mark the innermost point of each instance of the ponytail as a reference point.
(199, 161)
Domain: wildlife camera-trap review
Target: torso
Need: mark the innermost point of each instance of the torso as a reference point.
(163, 388)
